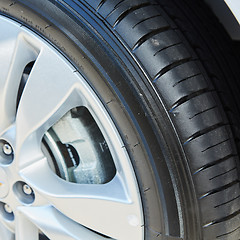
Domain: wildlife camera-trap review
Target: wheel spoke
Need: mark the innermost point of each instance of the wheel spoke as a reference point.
(15, 54)
(5, 233)
(102, 207)
(48, 94)
(25, 229)
(57, 226)
(51, 90)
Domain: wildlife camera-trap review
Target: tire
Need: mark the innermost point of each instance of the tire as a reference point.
(155, 78)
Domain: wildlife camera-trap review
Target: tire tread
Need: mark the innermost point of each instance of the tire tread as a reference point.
(195, 98)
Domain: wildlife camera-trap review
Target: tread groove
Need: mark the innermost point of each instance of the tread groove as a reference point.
(182, 80)
(115, 7)
(130, 10)
(224, 219)
(169, 67)
(222, 204)
(228, 233)
(202, 112)
(172, 45)
(189, 97)
(215, 163)
(216, 145)
(219, 189)
(149, 35)
(100, 5)
(204, 131)
(146, 19)
(223, 173)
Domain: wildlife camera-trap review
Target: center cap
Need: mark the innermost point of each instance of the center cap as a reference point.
(4, 187)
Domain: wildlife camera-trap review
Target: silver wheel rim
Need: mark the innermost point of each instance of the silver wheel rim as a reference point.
(33, 198)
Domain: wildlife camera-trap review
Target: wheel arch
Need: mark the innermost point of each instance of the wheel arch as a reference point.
(228, 13)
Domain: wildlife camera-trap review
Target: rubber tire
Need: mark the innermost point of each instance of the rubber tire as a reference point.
(167, 94)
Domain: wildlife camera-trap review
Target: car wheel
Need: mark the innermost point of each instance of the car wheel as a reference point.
(112, 125)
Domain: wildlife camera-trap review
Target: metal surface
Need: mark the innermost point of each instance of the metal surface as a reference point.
(7, 208)
(57, 207)
(27, 190)
(234, 6)
(79, 149)
(7, 149)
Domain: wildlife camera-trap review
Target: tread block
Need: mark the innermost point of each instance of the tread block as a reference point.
(198, 125)
(182, 89)
(141, 33)
(138, 17)
(121, 10)
(212, 185)
(195, 149)
(221, 229)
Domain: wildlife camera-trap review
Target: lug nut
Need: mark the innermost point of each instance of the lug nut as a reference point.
(7, 208)
(27, 189)
(7, 149)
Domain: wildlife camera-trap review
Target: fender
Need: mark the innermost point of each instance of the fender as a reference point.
(228, 13)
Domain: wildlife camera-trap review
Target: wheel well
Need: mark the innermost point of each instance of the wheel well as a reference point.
(228, 14)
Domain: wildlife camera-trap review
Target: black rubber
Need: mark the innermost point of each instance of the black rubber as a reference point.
(171, 70)
(189, 59)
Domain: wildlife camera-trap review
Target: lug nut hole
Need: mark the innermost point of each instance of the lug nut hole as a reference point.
(24, 192)
(6, 212)
(6, 152)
